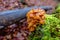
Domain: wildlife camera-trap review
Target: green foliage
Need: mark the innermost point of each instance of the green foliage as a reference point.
(52, 24)
(49, 31)
(57, 12)
(36, 35)
(58, 8)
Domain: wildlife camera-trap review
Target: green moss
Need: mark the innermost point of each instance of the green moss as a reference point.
(48, 31)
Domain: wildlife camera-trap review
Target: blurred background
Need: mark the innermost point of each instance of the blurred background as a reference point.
(17, 4)
(16, 31)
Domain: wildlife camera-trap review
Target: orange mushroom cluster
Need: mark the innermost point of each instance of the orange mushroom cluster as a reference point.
(34, 17)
